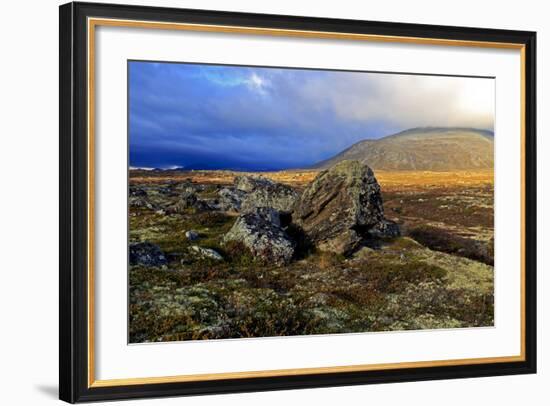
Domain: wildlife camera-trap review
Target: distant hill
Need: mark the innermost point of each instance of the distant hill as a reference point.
(428, 148)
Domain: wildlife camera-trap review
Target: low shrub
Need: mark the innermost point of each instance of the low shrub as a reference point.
(237, 253)
(392, 277)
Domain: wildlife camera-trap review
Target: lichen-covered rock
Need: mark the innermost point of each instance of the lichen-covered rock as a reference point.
(261, 232)
(188, 200)
(137, 191)
(250, 183)
(230, 199)
(190, 187)
(263, 192)
(342, 243)
(146, 253)
(169, 190)
(207, 253)
(140, 201)
(385, 229)
(341, 207)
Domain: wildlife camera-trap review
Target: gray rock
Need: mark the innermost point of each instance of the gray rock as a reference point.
(208, 253)
(341, 207)
(140, 201)
(191, 235)
(230, 199)
(190, 187)
(263, 192)
(343, 243)
(260, 231)
(385, 229)
(168, 190)
(188, 200)
(187, 186)
(137, 191)
(249, 183)
(146, 253)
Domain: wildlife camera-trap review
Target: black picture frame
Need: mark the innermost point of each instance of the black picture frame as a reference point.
(74, 199)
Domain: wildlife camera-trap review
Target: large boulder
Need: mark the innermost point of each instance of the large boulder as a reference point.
(146, 253)
(342, 207)
(263, 192)
(260, 231)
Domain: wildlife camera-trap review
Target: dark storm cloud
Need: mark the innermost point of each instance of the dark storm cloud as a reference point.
(206, 116)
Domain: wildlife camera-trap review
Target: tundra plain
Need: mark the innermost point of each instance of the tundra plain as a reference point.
(437, 274)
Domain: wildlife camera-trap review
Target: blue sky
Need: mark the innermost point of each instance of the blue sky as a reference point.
(249, 118)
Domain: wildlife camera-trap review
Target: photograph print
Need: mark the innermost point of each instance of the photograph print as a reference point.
(269, 201)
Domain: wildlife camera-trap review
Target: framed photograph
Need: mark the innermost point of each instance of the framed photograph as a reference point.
(257, 202)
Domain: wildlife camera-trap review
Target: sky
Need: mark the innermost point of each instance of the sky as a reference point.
(254, 118)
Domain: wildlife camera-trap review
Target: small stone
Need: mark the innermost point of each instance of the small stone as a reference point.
(207, 253)
(139, 201)
(146, 253)
(192, 235)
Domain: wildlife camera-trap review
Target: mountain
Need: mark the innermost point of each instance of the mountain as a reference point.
(428, 149)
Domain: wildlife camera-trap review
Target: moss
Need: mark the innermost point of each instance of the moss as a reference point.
(237, 253)
(390, 277)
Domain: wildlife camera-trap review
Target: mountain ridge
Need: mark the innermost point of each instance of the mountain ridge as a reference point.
(422, 148)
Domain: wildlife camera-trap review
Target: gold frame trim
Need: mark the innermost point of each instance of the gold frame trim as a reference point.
(94, 22)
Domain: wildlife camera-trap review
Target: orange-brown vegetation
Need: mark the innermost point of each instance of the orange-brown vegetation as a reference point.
(298, 178)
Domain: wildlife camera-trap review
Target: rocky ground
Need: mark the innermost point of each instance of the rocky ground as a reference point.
(226, 255)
